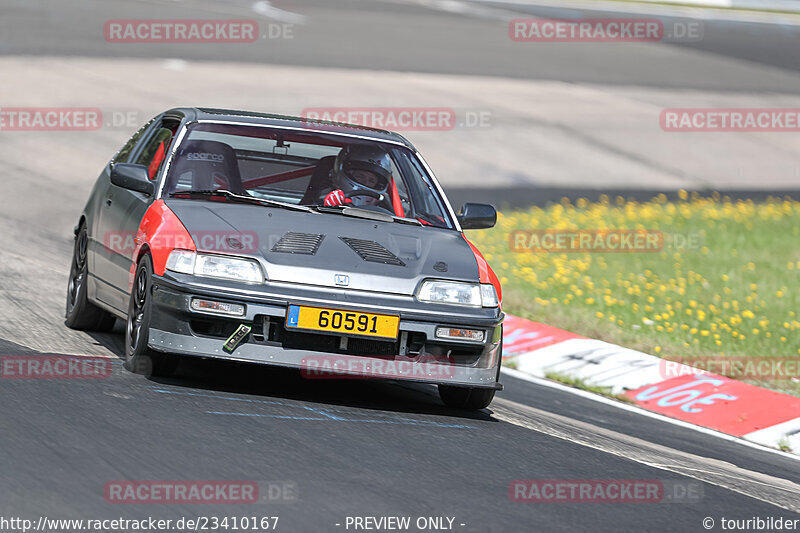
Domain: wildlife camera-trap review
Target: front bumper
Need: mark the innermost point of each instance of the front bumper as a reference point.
(416, 355)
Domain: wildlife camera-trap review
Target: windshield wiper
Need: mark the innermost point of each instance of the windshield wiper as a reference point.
(366, 214)
(239, 198)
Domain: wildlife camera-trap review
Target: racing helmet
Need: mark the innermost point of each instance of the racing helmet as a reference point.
(362, 167)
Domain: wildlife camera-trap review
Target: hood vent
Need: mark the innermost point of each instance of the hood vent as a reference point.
(372, 251)
(298, 243)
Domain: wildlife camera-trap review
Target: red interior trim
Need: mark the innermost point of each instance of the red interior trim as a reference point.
(157, 159)
(396, 203)
(277, 178)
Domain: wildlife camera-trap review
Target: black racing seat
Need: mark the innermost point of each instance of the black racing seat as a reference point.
(320, 180)
(202, 165)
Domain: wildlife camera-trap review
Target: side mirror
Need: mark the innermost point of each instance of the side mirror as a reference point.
(132, 177)
(477, 216)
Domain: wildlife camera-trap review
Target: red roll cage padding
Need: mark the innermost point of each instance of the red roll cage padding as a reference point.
(152, 169)
(277, 178)
(300, 172)
(397, 205)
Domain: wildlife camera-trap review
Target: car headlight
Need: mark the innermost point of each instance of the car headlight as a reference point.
(455, 292)
(489, 295)
(215, 266)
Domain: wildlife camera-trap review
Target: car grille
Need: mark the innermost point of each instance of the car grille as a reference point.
(372, 251)
(330, 344)
(298, 243)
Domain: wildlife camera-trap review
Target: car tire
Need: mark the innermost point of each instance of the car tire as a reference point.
(82, 314)
(139, 357)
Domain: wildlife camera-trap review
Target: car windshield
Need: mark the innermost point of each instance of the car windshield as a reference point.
(305, 168)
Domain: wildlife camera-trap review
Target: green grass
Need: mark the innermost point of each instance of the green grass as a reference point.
(581, 384)
(731, 292)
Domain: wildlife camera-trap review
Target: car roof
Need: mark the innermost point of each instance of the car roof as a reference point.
(268, 119)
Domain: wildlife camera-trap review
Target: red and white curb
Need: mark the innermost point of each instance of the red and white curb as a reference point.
(675, 390)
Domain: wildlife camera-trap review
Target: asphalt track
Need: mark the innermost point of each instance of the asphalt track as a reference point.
(432, 36)
(346, 448)
(361, 449)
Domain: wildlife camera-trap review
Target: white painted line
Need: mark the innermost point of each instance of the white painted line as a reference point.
(773, 435)
(636, 409)
(774, 490)
(691, 12)
(460, 7)
(266, 9)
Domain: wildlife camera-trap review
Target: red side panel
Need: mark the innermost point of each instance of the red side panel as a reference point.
(485, 272)
(162, 232)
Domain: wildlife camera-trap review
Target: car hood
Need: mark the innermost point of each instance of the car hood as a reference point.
(326, 249)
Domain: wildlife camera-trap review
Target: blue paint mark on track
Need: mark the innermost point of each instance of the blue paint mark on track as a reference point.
(325, 415)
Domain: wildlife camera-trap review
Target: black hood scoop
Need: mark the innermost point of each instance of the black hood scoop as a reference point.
(372, 251)
(298, 243)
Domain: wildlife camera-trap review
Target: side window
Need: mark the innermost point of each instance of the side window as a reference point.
(428, 206)
(154, 152)
(125, 152)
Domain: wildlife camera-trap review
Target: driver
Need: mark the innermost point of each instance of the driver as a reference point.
(361, 176)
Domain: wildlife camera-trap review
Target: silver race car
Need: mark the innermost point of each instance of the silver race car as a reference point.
(284, 241)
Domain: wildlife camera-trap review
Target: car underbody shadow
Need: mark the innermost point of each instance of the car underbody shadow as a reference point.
(289, 384)
(285, 383)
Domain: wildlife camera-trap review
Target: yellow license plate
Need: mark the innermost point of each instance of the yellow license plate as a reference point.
(340, 321)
